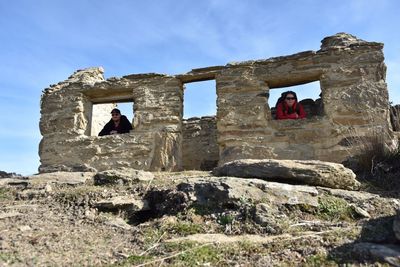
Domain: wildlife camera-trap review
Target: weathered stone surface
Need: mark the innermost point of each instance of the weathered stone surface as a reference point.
(13, 182)
(378, 252)
(124, 176)
(360, 212)
(199, 147)
(123, 202)
(4, 174)
(307, 172)
(341, 40)
(352, 196)
(44, 180)
(118, 223)
(268, 216)
(69, 178)
(229, 190)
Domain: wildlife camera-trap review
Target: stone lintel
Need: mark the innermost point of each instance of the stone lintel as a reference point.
(282, 59)
(100, 95)
(301, 78)
(200, 74)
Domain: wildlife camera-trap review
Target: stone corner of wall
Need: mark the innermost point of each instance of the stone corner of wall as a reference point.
(343, 40)
(88, 76)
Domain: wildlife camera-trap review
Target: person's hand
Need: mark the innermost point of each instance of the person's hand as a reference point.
(297, 115)
(113, 132)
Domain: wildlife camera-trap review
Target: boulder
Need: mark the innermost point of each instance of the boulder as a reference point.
(122, 202)
(125, 176)
(222, 190)
(378, 252)
(4, 174)
(118, 223)
(310, 172)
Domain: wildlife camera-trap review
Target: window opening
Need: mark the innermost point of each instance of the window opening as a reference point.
(309, 95)
(101, 114)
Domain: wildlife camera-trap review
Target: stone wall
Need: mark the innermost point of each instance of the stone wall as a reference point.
(154, 144)
(353, 91)
(199, 147)
(354, 98)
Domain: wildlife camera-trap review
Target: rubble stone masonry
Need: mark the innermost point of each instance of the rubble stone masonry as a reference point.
(354, 98)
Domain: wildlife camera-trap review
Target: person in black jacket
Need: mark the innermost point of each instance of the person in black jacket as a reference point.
(117, 125)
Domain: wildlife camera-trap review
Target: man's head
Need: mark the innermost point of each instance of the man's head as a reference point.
(115, 114)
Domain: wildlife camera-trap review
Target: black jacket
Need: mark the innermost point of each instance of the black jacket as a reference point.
(124, 126)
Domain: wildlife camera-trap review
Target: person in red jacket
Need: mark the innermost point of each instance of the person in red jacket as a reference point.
(288, 107)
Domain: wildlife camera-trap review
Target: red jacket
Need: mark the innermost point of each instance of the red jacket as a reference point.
(282, 111)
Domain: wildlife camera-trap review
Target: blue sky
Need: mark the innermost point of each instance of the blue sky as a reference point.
(43, 42)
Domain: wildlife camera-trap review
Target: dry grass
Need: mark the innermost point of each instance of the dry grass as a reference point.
(375, 157)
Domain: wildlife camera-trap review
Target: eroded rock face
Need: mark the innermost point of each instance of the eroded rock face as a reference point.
(309, 172)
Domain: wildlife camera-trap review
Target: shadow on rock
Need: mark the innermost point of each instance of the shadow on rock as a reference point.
(160, 203)
(377, 243)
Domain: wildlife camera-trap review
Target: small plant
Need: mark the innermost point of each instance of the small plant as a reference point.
(183, 228)
(333, 208)
(137, 259)
(5, 194)
(319, 259)
(7, 258)
(225, 219)
(193, 254)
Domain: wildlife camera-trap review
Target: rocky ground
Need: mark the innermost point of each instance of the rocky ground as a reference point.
(133, 218)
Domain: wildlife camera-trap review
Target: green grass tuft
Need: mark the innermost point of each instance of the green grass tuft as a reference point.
(333, 209)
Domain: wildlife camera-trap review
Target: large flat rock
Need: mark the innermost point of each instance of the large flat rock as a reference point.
(310, 172)
(229, 189)
(69, 178)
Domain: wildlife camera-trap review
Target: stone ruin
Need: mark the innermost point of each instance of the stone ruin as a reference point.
(354, 97)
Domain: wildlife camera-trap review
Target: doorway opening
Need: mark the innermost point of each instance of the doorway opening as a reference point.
(199, 146)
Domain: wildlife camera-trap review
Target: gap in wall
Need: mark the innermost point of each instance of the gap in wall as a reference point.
(200, 99)
(101, 114)
(309, 94)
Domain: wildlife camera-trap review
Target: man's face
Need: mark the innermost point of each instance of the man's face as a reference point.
(115, 116)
